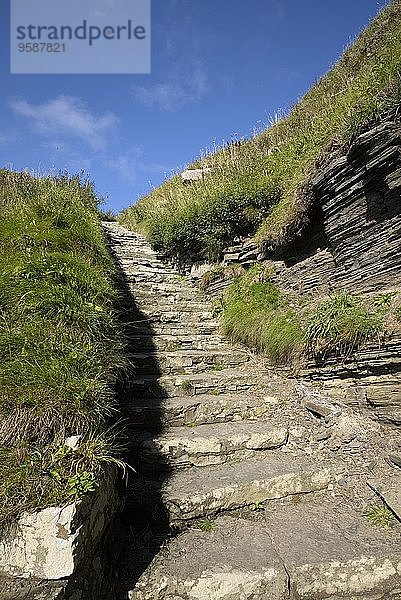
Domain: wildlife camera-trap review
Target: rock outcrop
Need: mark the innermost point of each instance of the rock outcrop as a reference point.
(352, 242)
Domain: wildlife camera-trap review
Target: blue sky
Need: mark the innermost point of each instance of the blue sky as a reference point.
(219, 68)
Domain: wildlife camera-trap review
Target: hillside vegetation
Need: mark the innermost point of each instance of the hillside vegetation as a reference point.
(261, 186)
(60, 346)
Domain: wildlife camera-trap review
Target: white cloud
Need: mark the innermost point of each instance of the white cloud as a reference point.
(173, 95)
(128, 164)
(68, 116)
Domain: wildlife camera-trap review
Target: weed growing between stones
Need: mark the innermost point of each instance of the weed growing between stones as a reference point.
(258, 506)
(380, 515)
(60, 344)
(207, 525)
(187, 388)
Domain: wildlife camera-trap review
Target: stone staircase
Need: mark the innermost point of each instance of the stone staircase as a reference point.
(261, 484)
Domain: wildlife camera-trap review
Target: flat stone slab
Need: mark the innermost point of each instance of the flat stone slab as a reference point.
(185, 361)
(227, 381)
(196, 410)
(232, 562)
(211, 444)
(175, 342)
(309, 551)
(196, 493)
(333, 551)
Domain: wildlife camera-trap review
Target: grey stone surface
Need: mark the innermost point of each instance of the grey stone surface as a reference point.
(52, 543)
(311, 551)
(296, 529)
(211, 444)
(389, 490)
(197, 410)
(232, 562)
(331, 550)
(190, 175)
(199, 492)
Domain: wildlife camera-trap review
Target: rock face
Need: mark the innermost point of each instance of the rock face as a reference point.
(248, 485)
(53, 544)
(354, 237)
(352, 242)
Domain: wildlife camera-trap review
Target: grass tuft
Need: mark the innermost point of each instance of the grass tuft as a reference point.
(380, 515)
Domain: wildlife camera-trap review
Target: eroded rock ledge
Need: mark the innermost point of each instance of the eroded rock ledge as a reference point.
(352, 242)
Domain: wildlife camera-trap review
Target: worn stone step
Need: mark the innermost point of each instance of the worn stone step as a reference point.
(182, 318)
(182, 328)
(166, 288)
(152, 413)
(309, 551)
(196, 493)
(171, 303)
(205, 445)
(227, 381)
(178, 341)
(185, 361)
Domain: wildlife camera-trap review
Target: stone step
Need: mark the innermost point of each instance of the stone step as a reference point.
(176, 342)
(185, 361)
(153, 413)
(308, 551)
(151, 304)
(227, 381)
(172, 287)
(205, 445)
(196, 493)
(183, 318)
(148, 326)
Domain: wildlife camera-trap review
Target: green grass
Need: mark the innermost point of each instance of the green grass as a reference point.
(60, 345)
(262, 186)
(288, 331)
(342, 323)
(257, 314)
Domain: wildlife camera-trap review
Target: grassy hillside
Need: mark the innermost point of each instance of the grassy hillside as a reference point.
(262, 186)
(60, 345)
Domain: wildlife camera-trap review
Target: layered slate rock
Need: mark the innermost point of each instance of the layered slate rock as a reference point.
(352, 241)
(261, 482)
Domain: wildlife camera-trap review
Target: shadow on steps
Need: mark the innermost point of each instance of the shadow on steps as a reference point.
(142, 527)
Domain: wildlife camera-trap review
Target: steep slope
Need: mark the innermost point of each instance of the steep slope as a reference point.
(262, 184)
